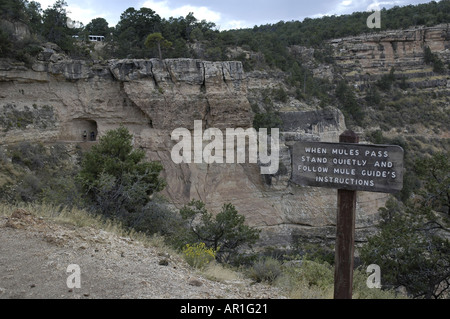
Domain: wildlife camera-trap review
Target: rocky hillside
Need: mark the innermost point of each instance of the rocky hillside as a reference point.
(58, 98)
(36, 252)
(369, 56)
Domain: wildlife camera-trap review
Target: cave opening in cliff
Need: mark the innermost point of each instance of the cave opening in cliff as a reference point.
(82, 129)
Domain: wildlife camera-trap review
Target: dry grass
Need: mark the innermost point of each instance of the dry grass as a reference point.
(80, 219)
(304, 291)
(220, 273)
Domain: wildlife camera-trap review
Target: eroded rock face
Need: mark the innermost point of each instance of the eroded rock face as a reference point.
(18, 29)
(367, 57)
(174, 93)
(152, 98)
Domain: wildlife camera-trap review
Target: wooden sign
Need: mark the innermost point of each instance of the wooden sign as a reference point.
(373, 168)
(348, 167)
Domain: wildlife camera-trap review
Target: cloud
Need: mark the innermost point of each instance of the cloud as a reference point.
(46, 3)
(83, 11)
(379, 5)
(346, 3)
(164, 9)
(349, 6)
(84, 15)
(235, 24)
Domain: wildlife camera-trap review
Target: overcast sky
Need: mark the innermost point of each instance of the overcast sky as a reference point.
(226, 14)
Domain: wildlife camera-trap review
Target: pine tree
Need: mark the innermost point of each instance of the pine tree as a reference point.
(115, 176)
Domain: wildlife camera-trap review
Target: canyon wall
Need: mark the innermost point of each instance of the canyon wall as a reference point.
(57, 99)
(365, 58)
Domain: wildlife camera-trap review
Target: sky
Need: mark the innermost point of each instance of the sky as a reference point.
(228, 14)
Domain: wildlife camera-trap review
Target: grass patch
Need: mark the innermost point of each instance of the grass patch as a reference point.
(79, 218)
(315, 280)
(221, 273)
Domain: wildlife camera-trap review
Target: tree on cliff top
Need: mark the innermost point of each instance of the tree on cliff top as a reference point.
(54, 27)
(116, 178)
(156, 39)
(98, 26)
(131, 31)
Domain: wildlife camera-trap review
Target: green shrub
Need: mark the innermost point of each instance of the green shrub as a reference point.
(312, 279)
(31, 155)
(63, 191)
(280, 95)
(226, 230)
(410, 247)
(28, 189)
(267, 120)
(265, 270)
(158, 218)
(6, 44)
(387, 80)
(373, 97)
(361, 291)
(349, 103)
(376, 137)
(432, 58)
(317, 274)
(116, 178)
(12, 117)
(307, 279)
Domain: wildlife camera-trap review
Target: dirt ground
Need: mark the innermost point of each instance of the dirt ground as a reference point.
(35, 255)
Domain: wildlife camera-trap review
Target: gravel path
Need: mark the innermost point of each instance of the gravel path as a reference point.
(35, 254)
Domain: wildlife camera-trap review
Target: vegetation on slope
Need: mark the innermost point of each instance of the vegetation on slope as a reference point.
(272, 40)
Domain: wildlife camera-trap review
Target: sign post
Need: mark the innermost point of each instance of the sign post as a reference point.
(348, 167)
(345, 235)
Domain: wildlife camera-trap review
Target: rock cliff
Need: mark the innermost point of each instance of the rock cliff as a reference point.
(366, 57)
(57, 99)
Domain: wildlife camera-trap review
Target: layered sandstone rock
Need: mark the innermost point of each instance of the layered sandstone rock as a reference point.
(368, 56)
(174, 93)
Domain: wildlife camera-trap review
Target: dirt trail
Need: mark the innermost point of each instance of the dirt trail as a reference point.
(35, 254)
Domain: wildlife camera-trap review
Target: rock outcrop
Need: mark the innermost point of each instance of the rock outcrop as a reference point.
(366, 57)
(174, 93)
(57, 99)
